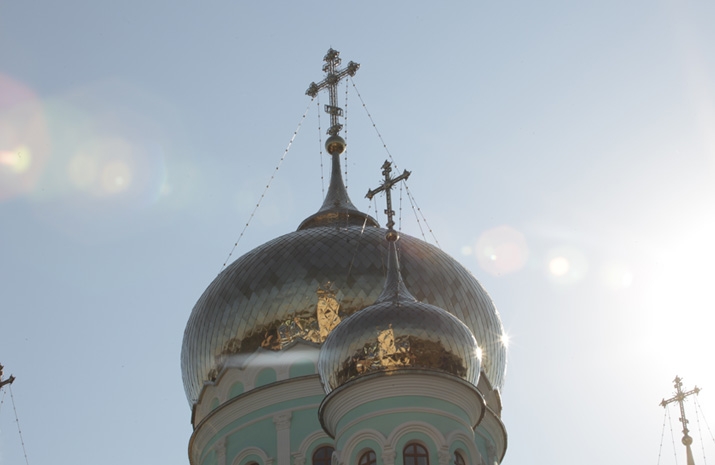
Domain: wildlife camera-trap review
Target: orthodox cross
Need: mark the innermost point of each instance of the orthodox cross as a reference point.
(679, 397)
(387, 187)
(7, 381)
(333, 77)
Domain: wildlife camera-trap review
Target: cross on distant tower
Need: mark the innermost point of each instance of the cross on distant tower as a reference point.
(7, 381)
(387, 187)
(679, 397)
(332, 61)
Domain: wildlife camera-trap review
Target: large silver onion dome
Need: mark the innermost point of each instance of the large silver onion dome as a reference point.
(300, 285)
(398, 333)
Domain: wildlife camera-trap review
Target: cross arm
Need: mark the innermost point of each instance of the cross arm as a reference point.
(331, 79)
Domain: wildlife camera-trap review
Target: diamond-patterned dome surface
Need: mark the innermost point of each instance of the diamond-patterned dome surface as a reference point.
(301, 285)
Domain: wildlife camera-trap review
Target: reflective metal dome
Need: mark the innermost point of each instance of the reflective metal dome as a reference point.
(398, 333)
(301, 285)
(393, 336)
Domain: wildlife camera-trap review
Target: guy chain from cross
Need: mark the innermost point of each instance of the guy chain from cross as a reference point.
(332, 61)
(387, 187)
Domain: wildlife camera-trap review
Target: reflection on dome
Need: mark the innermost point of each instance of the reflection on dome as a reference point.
(397, 335)
(299, 286)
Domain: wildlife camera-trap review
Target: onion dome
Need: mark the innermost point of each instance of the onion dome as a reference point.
(398, 333)
(299, 286)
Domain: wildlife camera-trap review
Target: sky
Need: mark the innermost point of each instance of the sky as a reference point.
(564, 152)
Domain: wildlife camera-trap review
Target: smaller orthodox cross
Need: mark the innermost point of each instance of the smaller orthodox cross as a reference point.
(7, 381)
(387, 187)
(679, 397)
(332, 61)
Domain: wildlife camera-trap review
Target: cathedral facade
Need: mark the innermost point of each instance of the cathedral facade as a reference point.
(346, 343)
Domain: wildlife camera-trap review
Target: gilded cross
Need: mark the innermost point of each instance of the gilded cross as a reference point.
(387, 187)
(679, 397)
(333, 77)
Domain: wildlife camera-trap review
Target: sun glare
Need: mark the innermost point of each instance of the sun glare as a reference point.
(501, 250)
(505, 340)
(17, 161)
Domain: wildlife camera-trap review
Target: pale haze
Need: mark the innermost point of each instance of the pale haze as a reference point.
(564, 152)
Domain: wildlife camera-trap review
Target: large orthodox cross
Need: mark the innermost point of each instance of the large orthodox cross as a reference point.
(387, 187)
(333, 77)
(679, 397)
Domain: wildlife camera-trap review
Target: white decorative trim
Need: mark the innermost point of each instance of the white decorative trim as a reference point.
(417, 427)
(248, 451)
(363, 390)
(362, 435)
(469, 443)
(282, 420)
(245, 404)
(410, 410)
(245, 368)
(299, 456)
(388, 455)
(220, 448)
(495, 431)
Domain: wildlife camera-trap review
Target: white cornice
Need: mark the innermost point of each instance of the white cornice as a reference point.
(249, 402)
(398, 384)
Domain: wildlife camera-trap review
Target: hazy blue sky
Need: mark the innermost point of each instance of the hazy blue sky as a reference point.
(563, 151)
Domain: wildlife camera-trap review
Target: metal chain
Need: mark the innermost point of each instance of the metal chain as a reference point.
(672, 436)
(662, 435)
(320, 149)
(17, 420)
(270, 180)
(413, 202)
(3, 398)
(700, 433)
(697, 405)
(357, 245)
(346, 134)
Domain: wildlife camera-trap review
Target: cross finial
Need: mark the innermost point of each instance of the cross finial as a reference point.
(387, 187)
(7, 381)
(679, 397)
(333, 77)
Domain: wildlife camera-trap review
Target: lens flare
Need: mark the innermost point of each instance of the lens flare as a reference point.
(566, 265)
(501, 250)
(559, 266)
(616, 275)
(24, 143)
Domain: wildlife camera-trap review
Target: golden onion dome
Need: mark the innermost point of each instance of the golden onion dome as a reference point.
(299, 286)
(398, 333)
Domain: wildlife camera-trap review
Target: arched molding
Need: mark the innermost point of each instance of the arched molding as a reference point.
(348, 449)
(310, 442)
(249, 452)
(461, 441)
(399, 433)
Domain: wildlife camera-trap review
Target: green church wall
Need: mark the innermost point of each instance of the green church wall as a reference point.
(235, 390)
(303, 423)
(302, 367)
(264, 416)
(210, 459)
(261, 434)
(265, 376)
